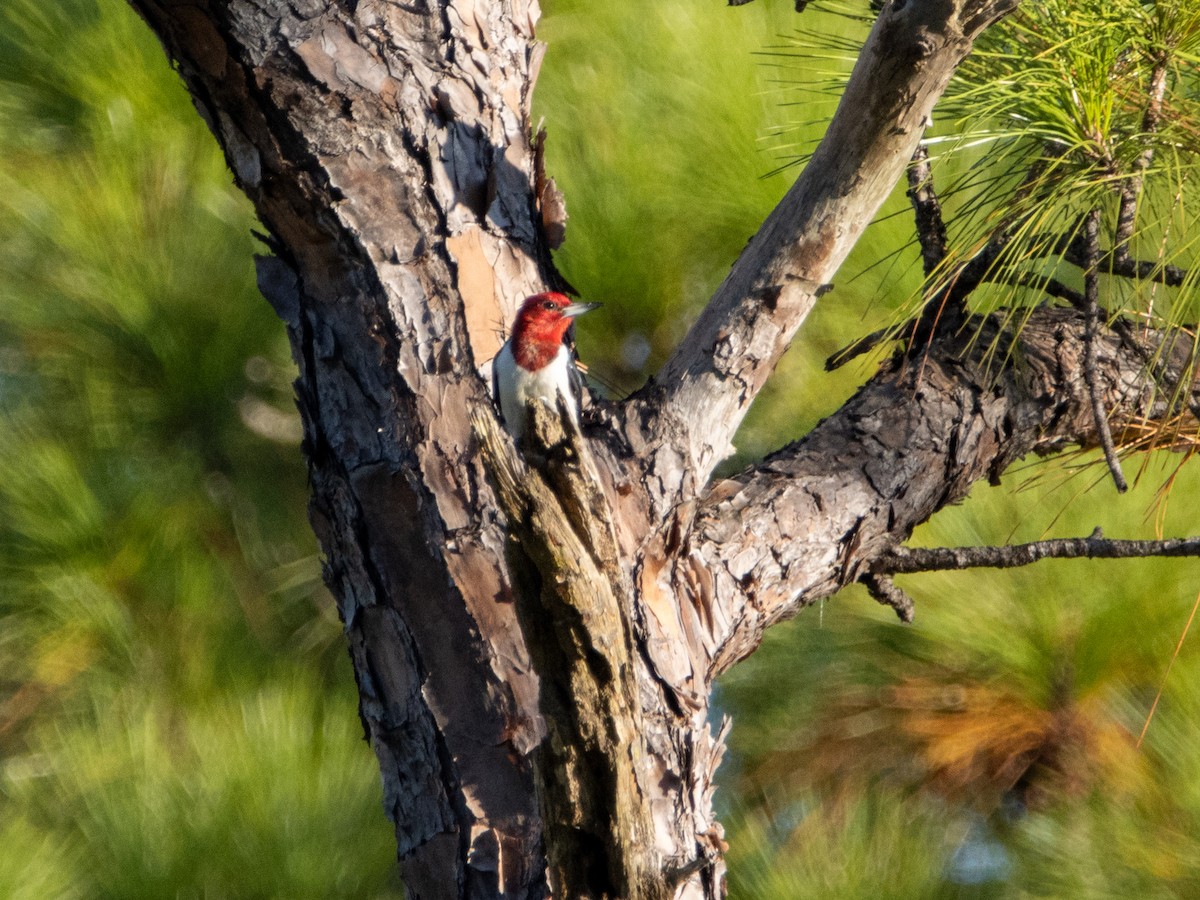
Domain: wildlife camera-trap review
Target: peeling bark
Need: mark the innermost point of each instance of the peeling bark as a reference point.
(817, 514)
(535, 638)
(592, 772)
(386, 148)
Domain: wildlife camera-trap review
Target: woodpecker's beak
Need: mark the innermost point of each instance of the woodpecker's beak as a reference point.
(578, 309)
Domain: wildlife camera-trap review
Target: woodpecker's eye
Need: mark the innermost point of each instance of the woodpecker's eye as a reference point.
(549, 304)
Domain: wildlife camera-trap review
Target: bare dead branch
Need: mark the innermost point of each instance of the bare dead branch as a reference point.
(946, 307)
(931, 229)
(1145, 270)
(693, 407)
(1091, 309)
(887, 593)
(902, 560)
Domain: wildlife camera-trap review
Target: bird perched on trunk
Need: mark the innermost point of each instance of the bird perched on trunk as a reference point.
(535, 363)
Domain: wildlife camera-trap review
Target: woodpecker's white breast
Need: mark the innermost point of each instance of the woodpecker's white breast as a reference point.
(516, 387)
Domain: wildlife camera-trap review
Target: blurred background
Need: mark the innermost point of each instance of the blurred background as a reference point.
(177, 713)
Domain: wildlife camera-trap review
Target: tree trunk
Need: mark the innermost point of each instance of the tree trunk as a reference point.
(534, 637)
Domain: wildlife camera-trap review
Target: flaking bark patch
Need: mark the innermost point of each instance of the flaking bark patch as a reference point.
(575, 602)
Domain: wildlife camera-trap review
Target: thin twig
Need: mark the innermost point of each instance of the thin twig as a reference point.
(887, 593)
(1050, 286)
(1131, 188)
(1072, 251)
(931, 229)
(947, 306)
(904, 560)
(857, 348)
(1091, 296)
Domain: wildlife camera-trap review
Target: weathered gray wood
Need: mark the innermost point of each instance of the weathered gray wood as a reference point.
(592, 769)
(698, 400)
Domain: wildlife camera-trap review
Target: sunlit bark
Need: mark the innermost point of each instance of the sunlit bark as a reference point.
(535, 638)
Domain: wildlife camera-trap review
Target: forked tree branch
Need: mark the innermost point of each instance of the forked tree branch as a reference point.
(946, 304)
(900, 560)
(691, 410)
(824, 512)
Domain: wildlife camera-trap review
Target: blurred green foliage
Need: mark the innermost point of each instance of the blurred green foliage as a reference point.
(176, 712)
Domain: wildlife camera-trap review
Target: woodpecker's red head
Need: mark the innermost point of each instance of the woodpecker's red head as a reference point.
(541, 323)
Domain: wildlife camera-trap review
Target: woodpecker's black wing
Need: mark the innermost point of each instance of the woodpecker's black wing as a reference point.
(579, 388)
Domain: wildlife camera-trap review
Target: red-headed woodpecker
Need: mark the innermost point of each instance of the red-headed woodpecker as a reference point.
(535, 364)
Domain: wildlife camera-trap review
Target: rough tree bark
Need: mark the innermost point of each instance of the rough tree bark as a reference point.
(534, 639)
